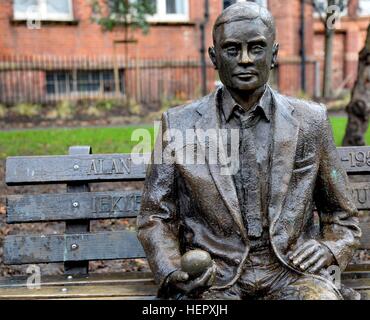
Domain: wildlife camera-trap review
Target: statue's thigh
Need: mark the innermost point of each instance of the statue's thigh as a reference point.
(306, 288)
(229, 294)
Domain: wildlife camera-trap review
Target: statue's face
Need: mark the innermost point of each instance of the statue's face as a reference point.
(244, 53)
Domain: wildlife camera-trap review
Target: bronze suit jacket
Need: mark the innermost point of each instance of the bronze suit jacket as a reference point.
(194, 206)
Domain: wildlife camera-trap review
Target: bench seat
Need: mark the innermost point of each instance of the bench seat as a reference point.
(123, 286)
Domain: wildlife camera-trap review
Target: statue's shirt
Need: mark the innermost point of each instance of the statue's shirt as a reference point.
(261, 116)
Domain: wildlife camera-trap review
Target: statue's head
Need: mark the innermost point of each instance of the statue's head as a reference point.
(244, 49)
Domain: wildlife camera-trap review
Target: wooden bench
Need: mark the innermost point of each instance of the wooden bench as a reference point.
(78, 206)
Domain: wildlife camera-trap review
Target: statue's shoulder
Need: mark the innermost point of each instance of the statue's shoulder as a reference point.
(184, 109)
(305, 109)
(187, 114)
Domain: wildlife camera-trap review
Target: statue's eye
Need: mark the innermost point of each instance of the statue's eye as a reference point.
(257, 49)
(232, 51)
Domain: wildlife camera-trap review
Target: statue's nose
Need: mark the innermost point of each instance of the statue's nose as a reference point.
(245, 59)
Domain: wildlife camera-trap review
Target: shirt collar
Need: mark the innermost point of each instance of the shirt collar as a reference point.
(263, 105)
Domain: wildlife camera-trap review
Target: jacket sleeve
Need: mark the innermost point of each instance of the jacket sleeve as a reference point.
(339, 225)
(157, 221)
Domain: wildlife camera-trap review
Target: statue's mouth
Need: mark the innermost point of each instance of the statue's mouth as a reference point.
(245, 75)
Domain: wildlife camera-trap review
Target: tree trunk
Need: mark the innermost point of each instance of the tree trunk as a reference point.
(328, 61)
(359, 108)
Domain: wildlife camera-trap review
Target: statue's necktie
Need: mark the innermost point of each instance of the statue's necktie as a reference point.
(250, 175)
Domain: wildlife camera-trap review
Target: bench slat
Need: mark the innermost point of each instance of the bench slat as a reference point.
(85, 205)
(91, 246)
(127, 285)
(127, 291)
(355, 160)
(113, 167)
(104, 205)
(73, 168)
(122, 278)
(358, 284)
(62, 248)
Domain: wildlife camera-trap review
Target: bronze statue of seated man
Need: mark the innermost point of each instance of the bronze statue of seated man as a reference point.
(253, 230)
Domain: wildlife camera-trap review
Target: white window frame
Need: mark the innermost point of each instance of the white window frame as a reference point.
(42, 14)
(366, 6)
(163, 16)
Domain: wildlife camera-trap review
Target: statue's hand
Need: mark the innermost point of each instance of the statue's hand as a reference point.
(312, 256)
(180, 281)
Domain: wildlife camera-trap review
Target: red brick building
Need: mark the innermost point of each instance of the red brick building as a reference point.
(349, 40)
(350, 34)
(76, 34)
(83, 59)
(73, 44)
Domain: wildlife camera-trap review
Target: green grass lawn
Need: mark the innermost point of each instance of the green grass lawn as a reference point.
(102, 140)
(339, 129)
(57, 141)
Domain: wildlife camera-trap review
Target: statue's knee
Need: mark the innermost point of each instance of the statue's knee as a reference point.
(318, 290)
(325, 294)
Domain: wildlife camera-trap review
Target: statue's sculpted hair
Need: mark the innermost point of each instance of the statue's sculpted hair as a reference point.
(245, 11)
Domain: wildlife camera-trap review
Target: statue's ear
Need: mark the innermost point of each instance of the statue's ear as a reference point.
(212, 55)
(275, 51)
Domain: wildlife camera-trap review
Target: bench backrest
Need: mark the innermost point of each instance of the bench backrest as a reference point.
(78, 206)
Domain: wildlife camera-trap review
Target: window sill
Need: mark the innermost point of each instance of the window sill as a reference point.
(172, 23)
(76, 95)
(18, 22)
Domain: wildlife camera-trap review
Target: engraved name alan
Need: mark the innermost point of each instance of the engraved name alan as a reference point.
(110, 166)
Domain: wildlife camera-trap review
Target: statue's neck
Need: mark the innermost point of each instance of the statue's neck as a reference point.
(247, 99)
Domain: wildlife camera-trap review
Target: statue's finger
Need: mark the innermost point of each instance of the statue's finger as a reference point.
(203, 280)
(311, 261)
(304, 255)
(213, 276)
(318, 266)
(300, 249)
(180, 276)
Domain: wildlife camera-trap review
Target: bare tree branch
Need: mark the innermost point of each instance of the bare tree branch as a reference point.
(323, 14)
(314, 4)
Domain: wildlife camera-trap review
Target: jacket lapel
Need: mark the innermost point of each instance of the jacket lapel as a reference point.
(210, 120)
(285, 139)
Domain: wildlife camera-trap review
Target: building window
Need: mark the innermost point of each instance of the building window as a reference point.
(321, 7)
(364, 8)
(170, 10)
(59, 82)
(83, 81)
(43, 10)
(228, 3)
